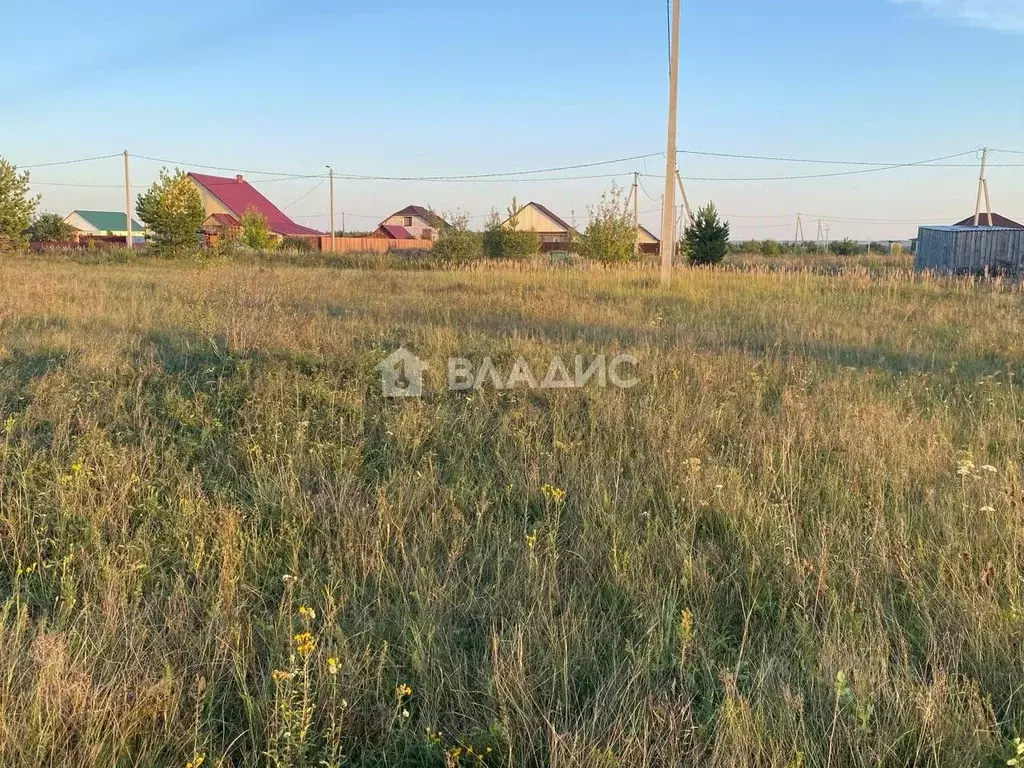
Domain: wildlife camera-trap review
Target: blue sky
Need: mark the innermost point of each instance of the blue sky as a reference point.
(402, 88)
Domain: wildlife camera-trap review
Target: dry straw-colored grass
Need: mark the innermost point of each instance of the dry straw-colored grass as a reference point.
(797, 542)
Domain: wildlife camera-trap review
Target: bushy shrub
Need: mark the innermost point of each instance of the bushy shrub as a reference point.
(50, 228)
(610, 237)
(256, 232)
(844, 247)
(455, 243)
(504, 240)
(707, 240)
(293, 243)
(173, 212)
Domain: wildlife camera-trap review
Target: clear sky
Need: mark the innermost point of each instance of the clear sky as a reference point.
(458, 87)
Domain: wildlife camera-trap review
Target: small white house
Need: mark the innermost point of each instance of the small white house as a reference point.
(103, 223)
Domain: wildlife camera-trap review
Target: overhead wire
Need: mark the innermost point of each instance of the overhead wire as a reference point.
(69, 162)
(306, 194)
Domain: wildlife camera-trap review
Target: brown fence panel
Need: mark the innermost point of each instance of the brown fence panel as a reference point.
(372, 244)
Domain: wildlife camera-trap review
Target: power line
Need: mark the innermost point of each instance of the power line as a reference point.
(308, 192)
(648, 194)
(82, 186)
(374, 177)
(69, 162)
(777, 159)
(479, 179)
(225, 168)
(919, 164)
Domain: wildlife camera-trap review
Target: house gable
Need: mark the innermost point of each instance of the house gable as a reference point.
(221, 195)
(536, 218)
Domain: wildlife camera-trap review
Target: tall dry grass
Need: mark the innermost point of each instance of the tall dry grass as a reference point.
(797, 542)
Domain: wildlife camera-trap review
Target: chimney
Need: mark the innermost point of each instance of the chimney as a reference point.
(239, 178)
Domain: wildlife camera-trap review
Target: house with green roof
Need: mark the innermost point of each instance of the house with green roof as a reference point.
(103, 223)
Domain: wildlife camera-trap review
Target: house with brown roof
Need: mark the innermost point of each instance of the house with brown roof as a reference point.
(226, 200)
(649, 242)
(420, 223)
(555, 233)
(997, 221)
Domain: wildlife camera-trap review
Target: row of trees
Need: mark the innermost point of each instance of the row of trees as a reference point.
(610, 236)
(770, 248)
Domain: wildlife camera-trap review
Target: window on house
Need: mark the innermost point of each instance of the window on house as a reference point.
(408, 221)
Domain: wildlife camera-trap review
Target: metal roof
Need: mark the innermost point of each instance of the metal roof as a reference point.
(972, 229)
(395, 232)
(108, 221)
(997, 221)
(238, 196)
(424, 213)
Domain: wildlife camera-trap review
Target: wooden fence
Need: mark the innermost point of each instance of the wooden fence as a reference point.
(372, 244)
(970, 250)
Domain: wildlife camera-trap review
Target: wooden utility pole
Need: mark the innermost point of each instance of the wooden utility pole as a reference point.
(128, 202)
(333, 243)
(686, 201)
(636, 212)
(983, 190)
(668, 224)
(799, 237)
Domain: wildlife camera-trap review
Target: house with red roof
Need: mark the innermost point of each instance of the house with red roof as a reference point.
(392, 232)
(226, 200)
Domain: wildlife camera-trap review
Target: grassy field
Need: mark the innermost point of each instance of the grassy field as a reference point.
(798, 541)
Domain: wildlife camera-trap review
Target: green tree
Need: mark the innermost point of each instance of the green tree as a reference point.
(173, 212)
(255, 231)
(610, 236)
(17, 206)
(844, 247)
(50, 228)
(455, 243)
(504, 240)
(707, 240)
(768, 248)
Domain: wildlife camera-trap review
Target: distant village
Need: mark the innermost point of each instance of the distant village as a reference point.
(984, 242)
(226, 199)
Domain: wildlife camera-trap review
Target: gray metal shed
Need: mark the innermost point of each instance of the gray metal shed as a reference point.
(964, 250)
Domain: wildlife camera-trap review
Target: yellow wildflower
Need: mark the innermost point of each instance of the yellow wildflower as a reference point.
(196, 761)
(305, 643)
(552, 492)
(403, 691)
(306, 614)
(279, 675)
(333, 666)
